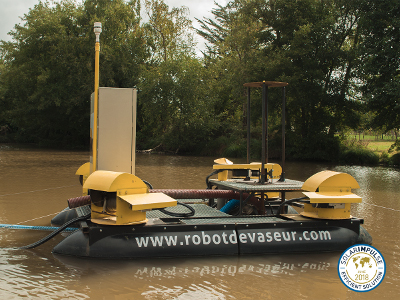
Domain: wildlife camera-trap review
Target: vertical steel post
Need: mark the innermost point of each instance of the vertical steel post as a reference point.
(264, 125)
(283, 134)
(248, 125)
(97, 31)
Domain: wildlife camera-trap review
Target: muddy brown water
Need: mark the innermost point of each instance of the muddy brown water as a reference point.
(34, 186)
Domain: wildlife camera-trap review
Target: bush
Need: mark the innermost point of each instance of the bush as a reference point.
(236, 150)
(395, 159)
(385, 158)
(318, 147)
(356, 154)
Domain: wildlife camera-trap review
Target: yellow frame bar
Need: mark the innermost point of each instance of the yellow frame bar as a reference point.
(96, 103)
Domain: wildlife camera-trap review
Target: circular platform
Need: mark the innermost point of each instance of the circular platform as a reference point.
(267, 83)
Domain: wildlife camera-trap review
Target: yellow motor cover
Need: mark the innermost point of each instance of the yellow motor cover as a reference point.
(131, 198)
(330, 195)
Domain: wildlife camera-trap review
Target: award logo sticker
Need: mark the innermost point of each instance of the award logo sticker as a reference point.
(361, 268)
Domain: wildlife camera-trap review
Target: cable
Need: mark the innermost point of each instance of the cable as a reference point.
(55, 232)
(208, 177)
(179, 215)
(148, 184)
(380, 206)
(289, 202)
(209, 187)
(38, 218)
(28, 227)
(34, 191)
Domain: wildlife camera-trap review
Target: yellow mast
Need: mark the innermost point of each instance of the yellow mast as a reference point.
(97, 31)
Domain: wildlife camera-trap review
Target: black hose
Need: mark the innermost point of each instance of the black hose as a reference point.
(212, 174)
(179, 215)
(55, 232)
(148, 184)
(289, 202)
(270, 207)
(172, 214)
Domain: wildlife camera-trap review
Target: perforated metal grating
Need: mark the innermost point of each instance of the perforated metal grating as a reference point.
(201, 210)
(232, 220)
(83, 210)
(206, 212)
(240, 185)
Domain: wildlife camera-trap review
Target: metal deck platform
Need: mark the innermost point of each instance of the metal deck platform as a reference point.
(253, 186)
(201, 210)
(233, 220)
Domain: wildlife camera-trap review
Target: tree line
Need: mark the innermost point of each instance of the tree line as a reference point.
(340, 58)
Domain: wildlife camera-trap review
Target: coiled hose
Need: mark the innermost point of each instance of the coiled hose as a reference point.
(179, 215)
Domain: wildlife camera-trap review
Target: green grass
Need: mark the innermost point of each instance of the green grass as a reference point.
(369, 149)
(367, 137)
(379, 146)
(376, 143)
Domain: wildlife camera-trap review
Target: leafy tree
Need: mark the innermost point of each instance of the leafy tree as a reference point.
(380, 25)
(313, 46)
(232, 58)
(44, 67)
(172, 110)
(48, 71)
(310, 44)
(336, 55)
(123, 44)
(168, 31)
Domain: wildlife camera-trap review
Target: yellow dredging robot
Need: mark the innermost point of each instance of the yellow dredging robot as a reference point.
(124, 222)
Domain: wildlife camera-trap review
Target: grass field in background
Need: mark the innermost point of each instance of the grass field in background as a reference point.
(368, 137)
(377, 143)
(379, 146)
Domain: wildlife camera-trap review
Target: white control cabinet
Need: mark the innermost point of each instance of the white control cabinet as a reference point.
(116, 135)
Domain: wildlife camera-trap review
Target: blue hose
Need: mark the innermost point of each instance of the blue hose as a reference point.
(228, 207)
(45, 228)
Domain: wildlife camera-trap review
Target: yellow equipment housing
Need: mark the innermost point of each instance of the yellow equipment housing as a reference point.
(83, 173)
(122, 198)
(330, 195)
(252, 170)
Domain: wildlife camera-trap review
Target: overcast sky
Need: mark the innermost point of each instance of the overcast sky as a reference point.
(12, 10)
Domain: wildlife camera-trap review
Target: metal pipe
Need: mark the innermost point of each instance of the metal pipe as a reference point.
(262, 179)
(97, 30)
(248, 125)
(283, 134)
(266, 126)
